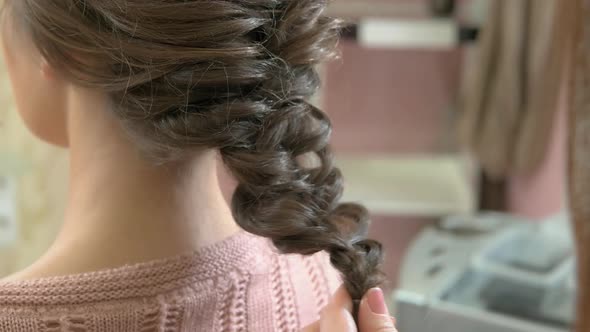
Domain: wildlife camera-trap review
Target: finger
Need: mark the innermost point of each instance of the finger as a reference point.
(315, 327)
(373, 313)
(337, 319)
(340, 299)
(336, 316)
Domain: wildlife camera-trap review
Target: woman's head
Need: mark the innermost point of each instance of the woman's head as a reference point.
(231, 75)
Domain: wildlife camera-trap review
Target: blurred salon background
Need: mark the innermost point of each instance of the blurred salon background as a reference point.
(449, 125)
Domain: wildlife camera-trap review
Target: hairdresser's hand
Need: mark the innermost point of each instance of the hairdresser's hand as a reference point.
(337, 317)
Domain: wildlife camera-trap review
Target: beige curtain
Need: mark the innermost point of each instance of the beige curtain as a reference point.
(510, 90)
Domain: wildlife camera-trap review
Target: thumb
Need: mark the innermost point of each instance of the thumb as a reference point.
(373, 313)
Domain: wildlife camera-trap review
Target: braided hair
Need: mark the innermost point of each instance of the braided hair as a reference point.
(233, 75)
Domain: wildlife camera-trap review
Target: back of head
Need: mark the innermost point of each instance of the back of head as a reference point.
(232, 75)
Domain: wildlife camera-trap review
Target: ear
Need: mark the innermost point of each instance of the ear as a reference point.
(47, 71)
(54, 128)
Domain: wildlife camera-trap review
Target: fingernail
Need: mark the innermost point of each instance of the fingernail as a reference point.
(377, 301)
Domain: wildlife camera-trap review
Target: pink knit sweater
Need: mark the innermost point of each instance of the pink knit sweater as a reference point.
(240, 284)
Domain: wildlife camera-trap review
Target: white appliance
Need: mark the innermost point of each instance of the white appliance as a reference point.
(488, 273)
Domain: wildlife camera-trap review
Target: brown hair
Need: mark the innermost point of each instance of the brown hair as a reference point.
(578, 12)
(234, 75)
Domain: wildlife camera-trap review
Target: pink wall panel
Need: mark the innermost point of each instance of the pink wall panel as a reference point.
(387, 101)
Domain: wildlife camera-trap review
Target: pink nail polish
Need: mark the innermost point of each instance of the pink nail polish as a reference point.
(376, 301)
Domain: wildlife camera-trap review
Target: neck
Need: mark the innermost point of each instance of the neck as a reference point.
(124, 209)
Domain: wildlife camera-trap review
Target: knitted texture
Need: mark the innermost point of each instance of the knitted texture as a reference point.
(240, 284)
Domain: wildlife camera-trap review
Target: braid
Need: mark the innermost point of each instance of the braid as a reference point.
(277, 198)
(232, 75)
